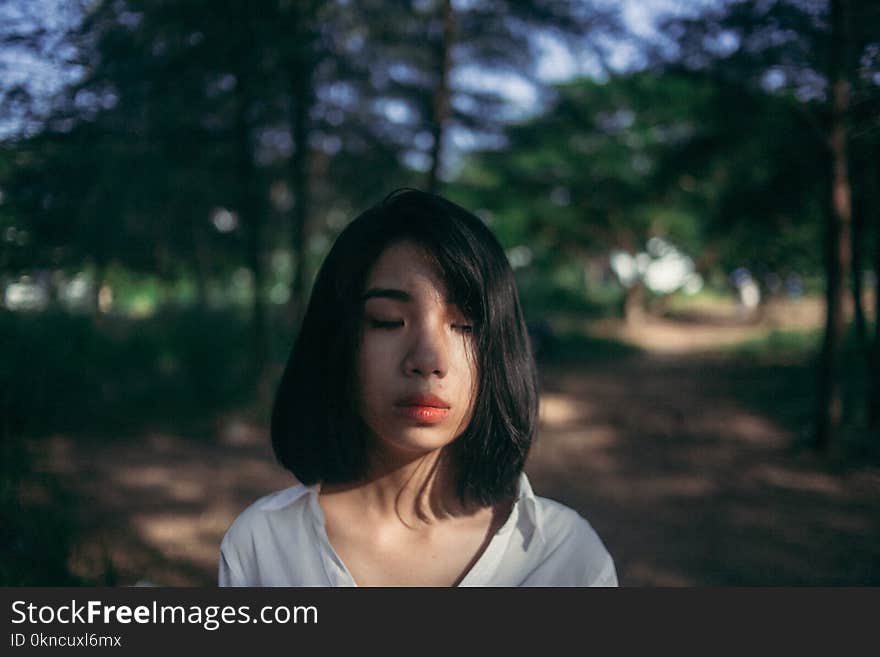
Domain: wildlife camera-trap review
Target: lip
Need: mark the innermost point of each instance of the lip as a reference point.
(423, 401)
(423, 414)
(424, 409)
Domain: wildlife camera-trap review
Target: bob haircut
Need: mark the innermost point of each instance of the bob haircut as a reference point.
(317, 432)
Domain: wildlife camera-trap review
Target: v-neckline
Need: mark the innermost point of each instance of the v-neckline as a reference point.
(477, 575)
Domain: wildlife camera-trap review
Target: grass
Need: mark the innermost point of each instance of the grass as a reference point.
(572, 346)
(541, 300)
(64, 372)
(780, 345)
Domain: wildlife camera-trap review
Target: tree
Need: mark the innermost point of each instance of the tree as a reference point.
(839, 230)
(675, 155)
(429, 61)
(193, 109)
(807, 52)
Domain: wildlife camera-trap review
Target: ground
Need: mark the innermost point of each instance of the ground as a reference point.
(670, 453)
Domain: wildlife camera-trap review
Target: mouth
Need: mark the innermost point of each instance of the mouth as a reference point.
(427, 409)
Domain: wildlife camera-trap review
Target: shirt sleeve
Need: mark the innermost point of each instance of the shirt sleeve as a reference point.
(607, 576)
(229, 574)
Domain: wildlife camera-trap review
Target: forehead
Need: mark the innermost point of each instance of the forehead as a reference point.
(409, 267)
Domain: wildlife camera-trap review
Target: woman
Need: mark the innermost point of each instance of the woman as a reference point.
(406, 411)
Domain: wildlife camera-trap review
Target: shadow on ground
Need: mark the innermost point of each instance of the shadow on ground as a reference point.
(686, 463)
(689, 486)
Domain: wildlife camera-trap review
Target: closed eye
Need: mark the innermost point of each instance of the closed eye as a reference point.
(385, 324)
(464, 328)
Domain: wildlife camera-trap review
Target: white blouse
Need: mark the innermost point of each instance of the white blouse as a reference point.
(280, 540)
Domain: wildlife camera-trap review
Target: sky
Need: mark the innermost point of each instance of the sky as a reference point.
(558, 64)
(43, 76)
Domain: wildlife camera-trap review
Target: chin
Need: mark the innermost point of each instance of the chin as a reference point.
(418, 440)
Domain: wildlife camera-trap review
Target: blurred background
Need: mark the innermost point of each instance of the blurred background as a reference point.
(688, 192)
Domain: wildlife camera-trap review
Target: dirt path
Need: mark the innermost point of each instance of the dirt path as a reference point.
(686, 485)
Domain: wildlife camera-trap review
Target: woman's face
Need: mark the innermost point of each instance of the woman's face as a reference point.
(416, 363)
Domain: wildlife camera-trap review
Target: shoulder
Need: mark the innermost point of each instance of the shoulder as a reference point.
(571, 538)
(262, 512)
(261, 522)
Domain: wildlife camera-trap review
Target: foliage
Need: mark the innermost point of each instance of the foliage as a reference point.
(61, 372)
(675, 155)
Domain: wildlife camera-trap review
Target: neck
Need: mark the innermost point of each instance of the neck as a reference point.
(415, 490)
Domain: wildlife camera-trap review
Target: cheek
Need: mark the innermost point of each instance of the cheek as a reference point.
(469, 366)
(468, 379)
(372, 371)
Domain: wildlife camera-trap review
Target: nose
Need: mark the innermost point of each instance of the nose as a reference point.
(428, 352)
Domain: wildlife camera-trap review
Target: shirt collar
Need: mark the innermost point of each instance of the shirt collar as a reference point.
(528, 509)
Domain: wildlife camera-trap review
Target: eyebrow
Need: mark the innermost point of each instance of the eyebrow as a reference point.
(386, 293)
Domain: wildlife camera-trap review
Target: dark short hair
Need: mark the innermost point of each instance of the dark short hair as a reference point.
(317, 432)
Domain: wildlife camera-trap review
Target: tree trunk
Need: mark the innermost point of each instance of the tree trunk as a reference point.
(829, 409)
(441, 105)
(202, 253)
(874, 363)
(100, 280)
(299, 173)
(634, 303)
(858, 237)
(249, 207)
